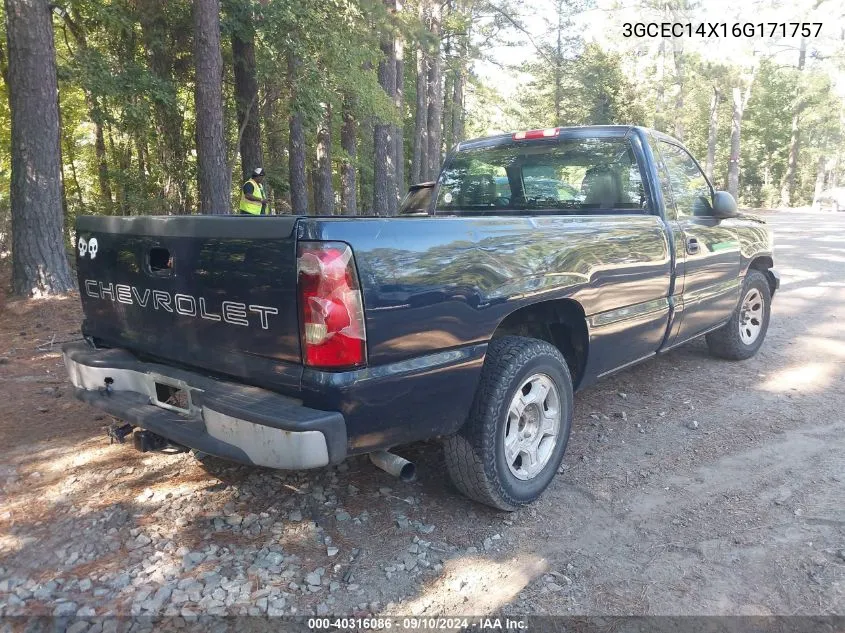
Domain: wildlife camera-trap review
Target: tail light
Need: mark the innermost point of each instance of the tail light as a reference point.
(331, 310)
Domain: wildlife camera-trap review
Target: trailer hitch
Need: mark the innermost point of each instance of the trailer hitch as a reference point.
(108, 386)
(146, 441)
(117, 433)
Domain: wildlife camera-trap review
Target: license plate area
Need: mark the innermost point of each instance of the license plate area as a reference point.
(174, 395)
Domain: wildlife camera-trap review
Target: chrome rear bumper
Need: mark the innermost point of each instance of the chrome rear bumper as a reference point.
(232, 421)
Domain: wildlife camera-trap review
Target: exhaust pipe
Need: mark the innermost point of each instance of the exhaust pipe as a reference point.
(394, 465)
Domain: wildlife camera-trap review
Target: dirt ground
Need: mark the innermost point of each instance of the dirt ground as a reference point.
(690, 486)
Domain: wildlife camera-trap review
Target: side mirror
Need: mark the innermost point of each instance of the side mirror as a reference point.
(724, 205)
(421, 185)
(418, 198)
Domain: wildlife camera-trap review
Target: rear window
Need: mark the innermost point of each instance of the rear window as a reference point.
(577, 176)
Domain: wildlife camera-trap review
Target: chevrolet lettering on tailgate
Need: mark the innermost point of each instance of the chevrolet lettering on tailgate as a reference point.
(231, 312)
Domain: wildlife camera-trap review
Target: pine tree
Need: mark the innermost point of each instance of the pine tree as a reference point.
(212, 167)
(39, 259)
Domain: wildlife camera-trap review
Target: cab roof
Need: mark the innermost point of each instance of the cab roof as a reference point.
(581, 131)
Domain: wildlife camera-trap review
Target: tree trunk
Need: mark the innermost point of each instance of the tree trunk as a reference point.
(448, 77)
(558, 70)
(820, 174)
(275, 148)
(69, 157)
(712, 131)
(212, 167)
(458, 105)
(399, 130)
(323, 189)
(384, 173)
(461, 64)
(419, 161)
(678, 52)
(435, 99)
(246, 95)
(736, 130)
(124, 163)
(740, 101)
(366, 162)
(39, 258)
(296, 148)
(349, 143)
(384, 144)
(660, 103)
(788, 187)
(102, 165)
(120, 194)
(298, 182)
(141, 148)
(62, 187)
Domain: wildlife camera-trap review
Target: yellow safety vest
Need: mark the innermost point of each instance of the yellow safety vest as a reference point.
(250, 206)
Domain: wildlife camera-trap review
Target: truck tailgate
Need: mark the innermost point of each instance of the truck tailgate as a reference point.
(217, 292)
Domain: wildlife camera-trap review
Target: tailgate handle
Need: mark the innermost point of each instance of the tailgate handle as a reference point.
(160, 261)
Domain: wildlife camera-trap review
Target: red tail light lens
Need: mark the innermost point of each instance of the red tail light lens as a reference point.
(331, 310)
(535, 134)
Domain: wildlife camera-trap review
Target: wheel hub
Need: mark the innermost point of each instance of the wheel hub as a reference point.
(529, 421)
(533, 427)
(751, 316)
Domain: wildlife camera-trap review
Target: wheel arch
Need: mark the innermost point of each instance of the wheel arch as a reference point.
(765, 263)
(560, 322)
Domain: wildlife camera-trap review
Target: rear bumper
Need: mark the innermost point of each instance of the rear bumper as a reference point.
(244, 424)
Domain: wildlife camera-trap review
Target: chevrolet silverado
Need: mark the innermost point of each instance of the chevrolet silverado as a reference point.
(539, 262)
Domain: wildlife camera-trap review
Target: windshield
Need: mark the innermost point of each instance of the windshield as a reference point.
(576, 175)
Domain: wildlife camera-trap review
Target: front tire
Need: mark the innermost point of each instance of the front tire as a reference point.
(512, 444)
(742, 336)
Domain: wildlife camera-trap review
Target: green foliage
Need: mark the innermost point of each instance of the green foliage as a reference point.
(604, 94)
(594, 90)
(767, 127)
(336, 50)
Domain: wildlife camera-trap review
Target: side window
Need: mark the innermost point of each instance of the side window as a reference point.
(687, 183)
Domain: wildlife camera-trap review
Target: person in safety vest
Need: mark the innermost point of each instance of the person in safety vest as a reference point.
(253, 197)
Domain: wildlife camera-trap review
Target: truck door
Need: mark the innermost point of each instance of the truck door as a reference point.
(707, 252)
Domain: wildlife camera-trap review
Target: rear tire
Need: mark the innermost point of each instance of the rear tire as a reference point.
(513, 442)
(742, 336)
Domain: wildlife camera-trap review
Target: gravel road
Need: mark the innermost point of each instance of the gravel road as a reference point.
(690, 486)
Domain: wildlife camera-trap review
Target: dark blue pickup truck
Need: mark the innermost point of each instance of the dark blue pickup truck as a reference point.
(537, 263)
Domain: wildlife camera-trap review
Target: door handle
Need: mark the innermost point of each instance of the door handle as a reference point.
(692, 246)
